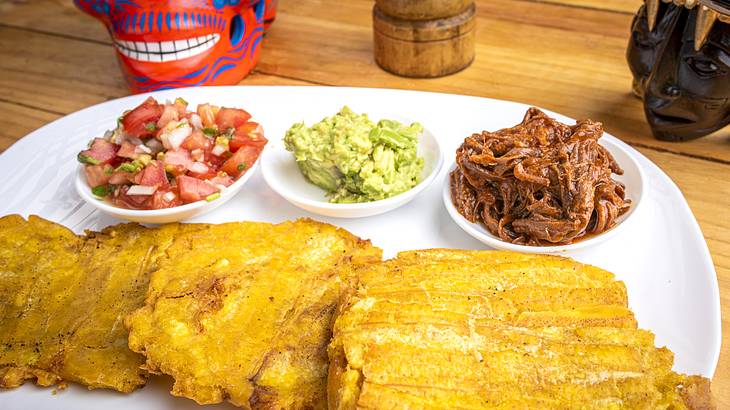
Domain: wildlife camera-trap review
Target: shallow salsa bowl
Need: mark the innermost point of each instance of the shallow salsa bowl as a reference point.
(633, 178)
(161, 216)
(281, 172)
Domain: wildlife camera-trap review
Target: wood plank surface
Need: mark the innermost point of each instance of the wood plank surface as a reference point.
(563, 55)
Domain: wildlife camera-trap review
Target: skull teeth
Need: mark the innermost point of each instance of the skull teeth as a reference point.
(161, 52)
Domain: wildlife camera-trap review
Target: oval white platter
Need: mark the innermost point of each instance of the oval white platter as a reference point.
(662, 257)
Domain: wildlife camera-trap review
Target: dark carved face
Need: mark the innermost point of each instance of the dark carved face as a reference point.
(645, 45)
(685, 91)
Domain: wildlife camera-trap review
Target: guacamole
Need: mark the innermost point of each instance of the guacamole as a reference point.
(356, 160)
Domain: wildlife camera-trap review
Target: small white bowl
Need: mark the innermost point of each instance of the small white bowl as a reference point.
(633, 178)
(282, 173)
(161, 216)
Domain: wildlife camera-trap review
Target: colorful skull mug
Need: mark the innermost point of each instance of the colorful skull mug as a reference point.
(181, 43)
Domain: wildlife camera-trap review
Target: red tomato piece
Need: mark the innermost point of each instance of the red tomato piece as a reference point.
(130, 201)
(179, 157)
(169, 113)
(154, 175)
(207, 114)
(222, 180)
(241, 161)
(101, 151)
(159, 200)
(127, 150)
(194, 189)
(197, 140)
(231, 118)
(250, 133)
(95, 175)
(142, 121)
(121, 177)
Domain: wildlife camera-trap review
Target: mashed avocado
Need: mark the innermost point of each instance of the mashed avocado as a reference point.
(356, 160)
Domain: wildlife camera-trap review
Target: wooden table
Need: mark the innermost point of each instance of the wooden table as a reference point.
(564, 55)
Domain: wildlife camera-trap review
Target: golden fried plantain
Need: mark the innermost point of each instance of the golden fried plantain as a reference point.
(63, 299)
(469, 329)
(243, 312)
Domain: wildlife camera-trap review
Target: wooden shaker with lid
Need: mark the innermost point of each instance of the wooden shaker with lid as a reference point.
(424, 38)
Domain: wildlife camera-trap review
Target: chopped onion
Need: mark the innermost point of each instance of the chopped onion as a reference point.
(141, 148)
(196, 121)
(154, 145)
(134, 140)
(198, 167)
(218, 150)
(169, 196)
(177, 135)
(141, 190)
(197, 154)
(221, 187)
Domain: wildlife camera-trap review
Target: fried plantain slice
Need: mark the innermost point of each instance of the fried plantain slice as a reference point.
(63, 300)
(486, 329)
(242, 312)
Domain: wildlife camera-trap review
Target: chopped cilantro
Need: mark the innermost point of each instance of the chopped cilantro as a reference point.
(108, 170)
(150, 126)
(241, 166)
(128, 167)
(209, 131)
(101, 190)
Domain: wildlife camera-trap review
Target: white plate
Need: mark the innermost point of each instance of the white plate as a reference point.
(662, 257)
(632, 178)
(282, 174)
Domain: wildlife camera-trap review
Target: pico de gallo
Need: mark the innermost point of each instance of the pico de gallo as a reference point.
(162, 155)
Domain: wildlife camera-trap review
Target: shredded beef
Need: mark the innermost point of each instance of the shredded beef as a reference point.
(540, 182)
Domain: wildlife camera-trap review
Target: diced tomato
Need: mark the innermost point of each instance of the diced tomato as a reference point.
(210, 173)
(241, 161)
(222, 180)
(121, 177)
(193, 189)
(141, 122)
(197, 140)
(101, 151)
(127, 150)
(169, 113)
(207, 114)
(130, 201)
(250, 133)
(215, 161)
(154, 175)
(181, 106)
(158, 200)
(95, 175)
(231, 118)
(179, 157)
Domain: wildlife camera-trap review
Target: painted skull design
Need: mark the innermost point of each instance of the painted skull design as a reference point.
(182, 43)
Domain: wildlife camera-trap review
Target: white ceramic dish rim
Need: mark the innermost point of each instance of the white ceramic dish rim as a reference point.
(84, 191)
(480, 233)
(277, 186)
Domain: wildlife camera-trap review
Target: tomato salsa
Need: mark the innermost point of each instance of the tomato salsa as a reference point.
(162, 155)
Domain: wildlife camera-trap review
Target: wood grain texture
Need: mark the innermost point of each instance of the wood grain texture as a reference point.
(425, 49)
(564, 55)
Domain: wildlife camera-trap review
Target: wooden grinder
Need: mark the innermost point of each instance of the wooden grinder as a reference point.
(424, 38)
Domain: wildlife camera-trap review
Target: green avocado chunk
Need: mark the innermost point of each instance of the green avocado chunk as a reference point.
(356, 160)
